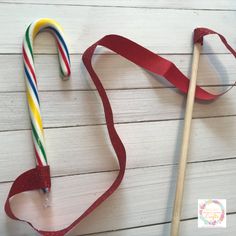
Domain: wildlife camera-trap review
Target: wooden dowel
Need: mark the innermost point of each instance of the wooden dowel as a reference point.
(185, 143)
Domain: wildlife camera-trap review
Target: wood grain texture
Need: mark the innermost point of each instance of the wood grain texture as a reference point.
(186, 230)
(76, 108)
(115, 72)
(152, 188)
(146, 145)
(83, 28)
(173, 4)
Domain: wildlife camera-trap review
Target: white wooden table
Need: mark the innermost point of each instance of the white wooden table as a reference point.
(148, 114)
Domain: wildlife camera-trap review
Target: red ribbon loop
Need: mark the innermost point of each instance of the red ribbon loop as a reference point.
(199, 34)
(142, 57)
(37, 178)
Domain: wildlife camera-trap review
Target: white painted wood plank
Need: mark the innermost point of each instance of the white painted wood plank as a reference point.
(73, 108)
(187, 228)
(114, 71)
(145, 197)
(152, 28)
(190, 4)
(147, 144)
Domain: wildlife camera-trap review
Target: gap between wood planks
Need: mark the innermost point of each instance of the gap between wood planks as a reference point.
(120, 123)
(112, 53)
(145, 226)
(129, 168)
(124, 74)
(118, 6)
(117, 89)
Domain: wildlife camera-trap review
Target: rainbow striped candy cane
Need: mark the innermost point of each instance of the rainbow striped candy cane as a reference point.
(31, 81)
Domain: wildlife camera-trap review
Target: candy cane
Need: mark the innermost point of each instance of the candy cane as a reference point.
(31, 81)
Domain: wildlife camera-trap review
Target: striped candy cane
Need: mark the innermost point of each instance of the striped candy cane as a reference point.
(31, 81)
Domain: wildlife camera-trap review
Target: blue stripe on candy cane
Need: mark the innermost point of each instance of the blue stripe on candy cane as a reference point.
(31, 84)
(61, 40)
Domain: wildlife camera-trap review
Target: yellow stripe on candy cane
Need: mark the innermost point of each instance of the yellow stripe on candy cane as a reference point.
(42, 22)
(35, 111)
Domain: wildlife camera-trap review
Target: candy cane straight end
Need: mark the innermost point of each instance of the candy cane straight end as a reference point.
(31, 81)
(185, 143)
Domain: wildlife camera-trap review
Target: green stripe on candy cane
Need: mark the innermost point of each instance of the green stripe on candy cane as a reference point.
(39, 142)
(28, 42)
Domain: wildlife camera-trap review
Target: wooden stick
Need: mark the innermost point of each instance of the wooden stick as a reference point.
(185, 143)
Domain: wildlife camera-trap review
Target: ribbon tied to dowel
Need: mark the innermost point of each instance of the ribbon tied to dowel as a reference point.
(39, 177)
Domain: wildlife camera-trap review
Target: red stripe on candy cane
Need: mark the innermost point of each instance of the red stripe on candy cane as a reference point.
(29, 65)
(64, 57)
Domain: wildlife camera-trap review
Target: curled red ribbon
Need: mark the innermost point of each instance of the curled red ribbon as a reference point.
(31, 180)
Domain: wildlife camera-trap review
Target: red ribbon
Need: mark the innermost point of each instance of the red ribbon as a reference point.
(32, 179)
